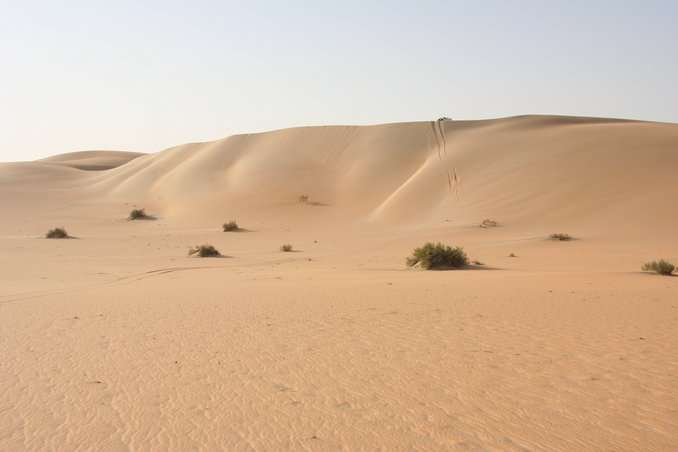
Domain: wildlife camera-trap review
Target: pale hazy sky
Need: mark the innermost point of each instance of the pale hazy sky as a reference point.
(146, 75)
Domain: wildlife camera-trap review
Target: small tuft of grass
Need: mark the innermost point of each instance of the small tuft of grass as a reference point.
(477, 263)
(204, 251)
(137, 214)
(512, 255)
(561, 237)
(230, 226)
(661, 266)
(437, 255)
(303, 198)
(57, 233)
(286, 248)
(487, 223)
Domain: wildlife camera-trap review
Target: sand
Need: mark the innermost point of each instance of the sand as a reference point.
(115, 339)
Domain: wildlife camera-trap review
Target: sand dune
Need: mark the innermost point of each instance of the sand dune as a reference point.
(93, 160)
(116, 340)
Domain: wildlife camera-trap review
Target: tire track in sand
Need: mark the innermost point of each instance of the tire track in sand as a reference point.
(453, 179)
(453, 188)
(135, 277)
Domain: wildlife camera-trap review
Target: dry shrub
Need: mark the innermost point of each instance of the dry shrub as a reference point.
(431, 256)
(661, 266)
(57, 233)
(204, 251)
(230, 226)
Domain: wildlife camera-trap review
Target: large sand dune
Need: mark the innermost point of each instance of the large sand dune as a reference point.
(116, 340)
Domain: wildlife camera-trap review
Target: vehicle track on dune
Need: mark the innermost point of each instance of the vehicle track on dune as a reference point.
(453, 179)
(453, 187)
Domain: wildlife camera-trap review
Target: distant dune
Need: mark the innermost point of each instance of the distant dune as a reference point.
(93, 160)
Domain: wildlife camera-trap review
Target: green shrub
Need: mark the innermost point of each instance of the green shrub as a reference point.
(303, 198)
(487, 223)
(561, 237)
(230, 226)
(286, 248)
(204, 251)
(437, 255)
(137, 214)
(661, 266)
(56, 233)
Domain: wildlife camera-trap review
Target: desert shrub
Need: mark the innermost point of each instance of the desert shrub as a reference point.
(56, 233)
(487, 223)
(437, 255)
(136, 214)
(303, 198)
(286, 248)
(204, 251)
(561, 237)
(661, 266)
(230, 226)
(512, 255)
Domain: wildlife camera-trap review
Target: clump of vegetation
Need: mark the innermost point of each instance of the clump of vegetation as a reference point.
(477, 263)
(204, 251)
(56, 233)
(561, 237)
(286, 248)
(661, 266)
(137, 214)
(487, 223)
(230, 226)
(437, 255)
(303, 198)
(512, 255)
